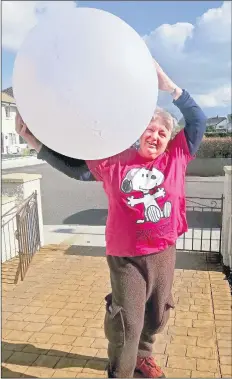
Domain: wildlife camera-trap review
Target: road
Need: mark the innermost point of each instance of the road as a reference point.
(67, 201)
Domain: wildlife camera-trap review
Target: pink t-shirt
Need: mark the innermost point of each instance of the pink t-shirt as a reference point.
(146, 199)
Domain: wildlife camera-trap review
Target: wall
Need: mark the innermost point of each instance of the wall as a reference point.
(21, 186)
(8, 229)
(8, 126)
(208, 166)
(227, 219)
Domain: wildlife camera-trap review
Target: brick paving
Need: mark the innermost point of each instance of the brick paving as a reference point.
(52, 322)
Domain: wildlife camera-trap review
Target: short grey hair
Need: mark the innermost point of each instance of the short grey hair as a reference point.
(168, 119)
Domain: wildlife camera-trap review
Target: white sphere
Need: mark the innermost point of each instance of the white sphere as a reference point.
(85, 85)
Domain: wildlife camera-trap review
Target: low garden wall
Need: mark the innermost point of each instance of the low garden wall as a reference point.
(208, 166)
(213, 155)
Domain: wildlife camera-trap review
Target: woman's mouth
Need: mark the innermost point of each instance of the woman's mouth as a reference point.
(152, 145)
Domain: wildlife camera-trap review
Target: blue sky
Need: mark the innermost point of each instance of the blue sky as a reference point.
(180, 49)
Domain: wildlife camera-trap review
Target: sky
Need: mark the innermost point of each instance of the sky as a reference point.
(191, 40)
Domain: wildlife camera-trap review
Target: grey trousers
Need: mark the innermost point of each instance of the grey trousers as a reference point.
(138, 307)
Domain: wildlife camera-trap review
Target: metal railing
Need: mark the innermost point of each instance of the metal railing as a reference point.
(204, 217)
(28, 233)
(9, 241)
(21, 233)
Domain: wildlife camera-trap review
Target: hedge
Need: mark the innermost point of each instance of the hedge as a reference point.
(215, 147)
(213, 135)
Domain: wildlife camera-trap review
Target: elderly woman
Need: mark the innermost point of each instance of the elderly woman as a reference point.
(146, 196)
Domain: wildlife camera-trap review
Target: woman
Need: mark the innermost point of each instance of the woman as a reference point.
(146, 195)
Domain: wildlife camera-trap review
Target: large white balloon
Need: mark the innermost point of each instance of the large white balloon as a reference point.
(85, 85)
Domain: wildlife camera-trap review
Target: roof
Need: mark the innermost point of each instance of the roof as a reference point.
(215, 120)
(222, 123)
(212, 121)
(9, 91)
(7, 98)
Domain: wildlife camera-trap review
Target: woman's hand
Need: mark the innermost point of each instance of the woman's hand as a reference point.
(22, 129)
(166, 84)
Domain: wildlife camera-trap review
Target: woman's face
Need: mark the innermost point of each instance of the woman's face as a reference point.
(154, 140)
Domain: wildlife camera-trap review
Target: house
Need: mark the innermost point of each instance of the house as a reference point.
(9, 136)
(9, 91)
(224, 125)
(214, 124)
(214, 121)
(229, 127)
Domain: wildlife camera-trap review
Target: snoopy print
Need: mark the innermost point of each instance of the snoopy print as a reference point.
(143, 180)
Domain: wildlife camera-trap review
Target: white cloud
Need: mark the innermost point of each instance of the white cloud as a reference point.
(197, 57)
(215, 24)
(18, 17)
(221, 97)
(171, 36)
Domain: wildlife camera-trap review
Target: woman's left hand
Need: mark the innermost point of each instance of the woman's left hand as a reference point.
(165, 83)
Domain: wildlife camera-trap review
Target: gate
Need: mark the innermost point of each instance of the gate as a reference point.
(27, 233)
(204, 216)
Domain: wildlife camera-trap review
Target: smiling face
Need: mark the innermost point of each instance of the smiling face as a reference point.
(154, 140)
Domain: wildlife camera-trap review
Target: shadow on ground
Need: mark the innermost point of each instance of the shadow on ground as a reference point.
(64, 359)
(97, 217)
(7, 373)
(92, 217)
(204, 220)
(184, 260)
(11, 271)
(86, 251)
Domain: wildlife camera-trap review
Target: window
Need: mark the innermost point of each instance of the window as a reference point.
(12, 139)
(7, 111)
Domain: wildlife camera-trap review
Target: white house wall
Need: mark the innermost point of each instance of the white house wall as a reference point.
(222, 125)
(9, 135)
(8, 124)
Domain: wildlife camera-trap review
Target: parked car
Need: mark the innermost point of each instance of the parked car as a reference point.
(17, 148)
(32, 151)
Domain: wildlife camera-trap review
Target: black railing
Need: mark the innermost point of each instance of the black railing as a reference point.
(204, 217)
(28, 233)
(9, 241)
(21, 233)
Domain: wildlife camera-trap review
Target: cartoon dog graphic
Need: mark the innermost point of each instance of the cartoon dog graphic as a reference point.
(143, 180)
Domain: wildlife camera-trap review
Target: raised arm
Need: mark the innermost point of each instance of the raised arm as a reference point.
(74, 168)
(195, 119)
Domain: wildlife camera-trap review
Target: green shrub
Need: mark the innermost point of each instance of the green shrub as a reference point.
(215, 147)
(218, 134)
(26, 152)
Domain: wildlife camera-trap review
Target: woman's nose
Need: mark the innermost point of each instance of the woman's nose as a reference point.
(154, 135)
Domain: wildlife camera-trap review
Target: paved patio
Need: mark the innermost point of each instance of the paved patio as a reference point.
(52, 322)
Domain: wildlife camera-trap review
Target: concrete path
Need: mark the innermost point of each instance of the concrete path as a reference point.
(52, 322)
(89, 235)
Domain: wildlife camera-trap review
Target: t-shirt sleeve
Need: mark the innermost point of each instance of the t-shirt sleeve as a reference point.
(100, 169)
(179, 147)
(97, 168)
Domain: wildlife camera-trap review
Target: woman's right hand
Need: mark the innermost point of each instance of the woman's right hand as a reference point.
(22, 129)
